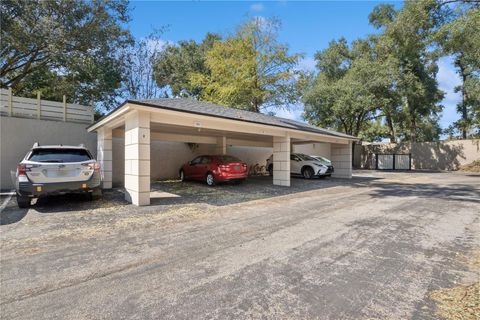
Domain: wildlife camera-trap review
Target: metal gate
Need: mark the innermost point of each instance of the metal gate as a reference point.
(393, 161)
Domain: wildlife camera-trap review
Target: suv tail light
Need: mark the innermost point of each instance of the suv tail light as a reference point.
(21, 170)
(93, 166)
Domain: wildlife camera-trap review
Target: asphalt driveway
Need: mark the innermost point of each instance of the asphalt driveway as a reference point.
(372, 247)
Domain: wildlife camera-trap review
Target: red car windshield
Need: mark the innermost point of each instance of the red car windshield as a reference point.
(226, 159)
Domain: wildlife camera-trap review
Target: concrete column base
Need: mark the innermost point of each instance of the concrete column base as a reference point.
(281, 161)
(137, 158)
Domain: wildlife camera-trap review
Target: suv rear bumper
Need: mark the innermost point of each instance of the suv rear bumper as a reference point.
(35, 190)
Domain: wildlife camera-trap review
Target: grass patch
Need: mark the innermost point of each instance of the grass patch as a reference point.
(461, 302)
(471, 167)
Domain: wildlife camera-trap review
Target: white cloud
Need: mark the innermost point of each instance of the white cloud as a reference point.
(257, 7)
(448, 79)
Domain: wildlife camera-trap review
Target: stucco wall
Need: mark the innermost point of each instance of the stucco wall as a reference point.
(17, 135)
(443, 155)
(315, 149)
(167, 157)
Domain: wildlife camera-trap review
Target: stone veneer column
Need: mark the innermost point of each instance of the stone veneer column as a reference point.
(281, 161)
(341, 157)
(104, 156)
(137, 158)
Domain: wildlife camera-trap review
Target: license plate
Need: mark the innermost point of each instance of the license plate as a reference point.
(237, 168)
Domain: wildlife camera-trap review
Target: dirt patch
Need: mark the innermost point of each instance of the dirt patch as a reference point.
(471, 167)
(463, 301)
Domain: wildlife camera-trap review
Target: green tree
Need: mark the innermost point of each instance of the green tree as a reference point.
(406, 40)
(351, 90)
(250, 70)
(174, 64)
(460, 37)
(63, 47)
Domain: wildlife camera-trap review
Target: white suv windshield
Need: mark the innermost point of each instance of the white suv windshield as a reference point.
(59, 155)
(304, 157)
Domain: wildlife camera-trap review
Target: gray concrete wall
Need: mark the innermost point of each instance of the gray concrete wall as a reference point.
(17, 135)
(443, 155)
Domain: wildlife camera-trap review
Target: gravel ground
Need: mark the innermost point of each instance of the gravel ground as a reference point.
(372, 247)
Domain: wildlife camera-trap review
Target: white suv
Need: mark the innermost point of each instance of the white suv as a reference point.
(304, 165)
(56, 169)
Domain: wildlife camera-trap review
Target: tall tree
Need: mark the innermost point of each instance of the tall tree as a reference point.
(174, 64)
(406, 38)
(139, 73)
(350, 89)
(460, 38)
(250, 70)
(63, 47)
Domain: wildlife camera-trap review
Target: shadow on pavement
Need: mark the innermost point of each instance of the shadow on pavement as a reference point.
(12, 216)
(457, 192)
(173, 192)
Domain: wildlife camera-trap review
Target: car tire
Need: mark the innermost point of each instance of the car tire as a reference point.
(89, 196)
(308, 173)
(22, 201)
(181, 174)
(270, 170)
(210, 179)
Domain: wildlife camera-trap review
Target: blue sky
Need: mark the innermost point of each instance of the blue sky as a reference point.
(306, 27)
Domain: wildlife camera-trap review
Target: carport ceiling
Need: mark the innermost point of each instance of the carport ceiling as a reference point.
(158, 129)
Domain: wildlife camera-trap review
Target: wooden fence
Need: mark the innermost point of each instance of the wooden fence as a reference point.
(43, 109)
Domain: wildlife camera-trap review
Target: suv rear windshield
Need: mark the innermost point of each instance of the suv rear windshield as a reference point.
(59, 155)
(224, 159)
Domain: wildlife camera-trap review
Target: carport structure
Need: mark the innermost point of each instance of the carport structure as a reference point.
(190, 121)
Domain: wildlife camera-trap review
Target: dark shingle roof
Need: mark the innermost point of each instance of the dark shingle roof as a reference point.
(210, 109)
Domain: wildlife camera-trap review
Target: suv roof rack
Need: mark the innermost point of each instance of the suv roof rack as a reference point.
(36, 145)
(81, 145)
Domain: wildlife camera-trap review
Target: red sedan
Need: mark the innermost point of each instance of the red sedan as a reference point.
(212, 169)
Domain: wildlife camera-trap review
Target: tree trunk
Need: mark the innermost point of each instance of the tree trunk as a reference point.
(391, 129)
(463, 103)
(413, 121)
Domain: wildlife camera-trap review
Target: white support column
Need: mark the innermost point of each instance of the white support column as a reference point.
(104, 156)
(281, 161)
(221, 147)
(137, 158)
(341, 157)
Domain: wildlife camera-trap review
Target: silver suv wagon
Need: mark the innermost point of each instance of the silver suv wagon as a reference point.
(57, 169)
